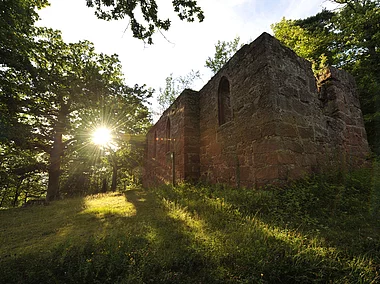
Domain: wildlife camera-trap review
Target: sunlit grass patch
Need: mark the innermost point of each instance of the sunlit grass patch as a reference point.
(274, 235)
(208, 240)
(40, 228)
(108, 204)
(198, 234)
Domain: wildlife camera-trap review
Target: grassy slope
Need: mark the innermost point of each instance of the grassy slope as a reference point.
(315, 231)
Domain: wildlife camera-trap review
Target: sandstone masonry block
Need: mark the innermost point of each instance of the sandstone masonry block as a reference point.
(261, 119)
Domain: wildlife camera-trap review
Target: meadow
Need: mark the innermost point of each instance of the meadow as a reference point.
(322, 229)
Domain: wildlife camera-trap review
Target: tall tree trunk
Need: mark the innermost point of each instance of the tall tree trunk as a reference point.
(55, 168)
(113, 160)
(17, 193)
(104, 185)
(55, 155)
(114, 177)
(26, 197)
(3, 198)
(15, 199)
(4, 195)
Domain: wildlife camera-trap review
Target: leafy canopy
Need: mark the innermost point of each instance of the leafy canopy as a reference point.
(174, 87)
(223, 52)
(144, 29)
(48, 88)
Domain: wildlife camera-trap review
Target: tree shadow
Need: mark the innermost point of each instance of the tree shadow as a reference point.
(32, 229)
(175, 256)
(69, 244)
(153, 236)
(255, 250)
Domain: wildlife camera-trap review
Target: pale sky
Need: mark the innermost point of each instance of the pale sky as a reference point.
(185, 46)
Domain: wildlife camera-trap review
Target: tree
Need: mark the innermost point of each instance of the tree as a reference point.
(223, 52)
(359, 38)
(312, 43)
(17, 18)
(126, 118)
(129, 123)
(174, 87)
(21, 175)
(114, 10)
(20, 162)
(347, 38)
(70, 77)
(46, 89)
(67, 80)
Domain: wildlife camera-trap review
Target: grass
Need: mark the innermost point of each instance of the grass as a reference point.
(318, 230)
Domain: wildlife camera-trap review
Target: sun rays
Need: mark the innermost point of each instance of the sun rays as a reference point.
(102, 136)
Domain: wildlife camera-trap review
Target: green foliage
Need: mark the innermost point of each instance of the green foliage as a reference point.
(316, 230)
(17, 18)
(167, 95)
(75, 81)
(223, 52)
(48, 89)
(174, 87)
(304, 43)
(21, 175)
(86, 165)
(114, 10)
(16, 43)
(347, 38)
(55, 93)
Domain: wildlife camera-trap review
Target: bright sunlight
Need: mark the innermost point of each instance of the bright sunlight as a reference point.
(102, 136)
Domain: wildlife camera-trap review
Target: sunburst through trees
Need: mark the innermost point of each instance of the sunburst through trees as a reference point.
(101, 136)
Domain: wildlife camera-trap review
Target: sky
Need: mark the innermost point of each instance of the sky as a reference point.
(183, 48)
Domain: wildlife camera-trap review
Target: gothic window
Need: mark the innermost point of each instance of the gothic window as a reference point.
(168, 135)
(224, 104)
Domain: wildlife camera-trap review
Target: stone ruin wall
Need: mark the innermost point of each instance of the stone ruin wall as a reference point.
(343, 118)
(280, 125)
(182, 118)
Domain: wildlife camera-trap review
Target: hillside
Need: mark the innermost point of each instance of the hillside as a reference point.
(317, 230)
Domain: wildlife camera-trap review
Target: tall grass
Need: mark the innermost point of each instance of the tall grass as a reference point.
(323, 229)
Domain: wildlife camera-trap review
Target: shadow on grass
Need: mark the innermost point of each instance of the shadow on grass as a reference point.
(174, 255)
(72, 242)
(163, 236)
(37, 228)
(254, 250)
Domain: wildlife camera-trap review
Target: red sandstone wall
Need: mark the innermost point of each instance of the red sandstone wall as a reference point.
(228, 152)
(344, 119)
(191, 136)
(318, 129)
(183, 140)
(281, 126)
(300, 128)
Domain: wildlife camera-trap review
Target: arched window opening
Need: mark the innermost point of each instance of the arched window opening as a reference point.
(168, 135)
(224, 103)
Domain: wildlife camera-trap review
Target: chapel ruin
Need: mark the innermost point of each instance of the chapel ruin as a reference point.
(261, 119)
